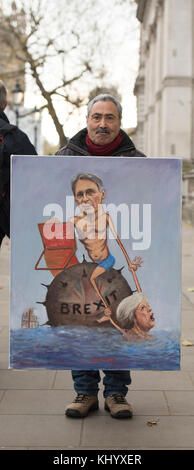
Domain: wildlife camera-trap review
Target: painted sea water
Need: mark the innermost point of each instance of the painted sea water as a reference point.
(87, 348)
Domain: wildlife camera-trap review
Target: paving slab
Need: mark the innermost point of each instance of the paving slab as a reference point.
(192, 376)
(4, 361)
(4, 293)
(146, 402)
(188, 261)
(186, 303)
(4, 331)
(170, 432)
(33, 379)
(3, 316)
(13, 448)
(35, 401)
(180, 402)
(187, 359)
(39, 430)
(4, 345)
(143, 402)
(63, 380)
(161, 380)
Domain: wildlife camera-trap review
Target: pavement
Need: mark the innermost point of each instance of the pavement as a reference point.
(32, 402)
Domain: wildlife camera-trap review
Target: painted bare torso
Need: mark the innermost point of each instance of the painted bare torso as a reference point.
(92, 232)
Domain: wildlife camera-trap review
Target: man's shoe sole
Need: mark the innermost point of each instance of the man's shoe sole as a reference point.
(72, 413)
(122, 414)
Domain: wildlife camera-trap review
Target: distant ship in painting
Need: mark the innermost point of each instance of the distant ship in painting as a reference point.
(29, 319)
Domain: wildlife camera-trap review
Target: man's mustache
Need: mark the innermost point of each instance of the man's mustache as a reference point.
(103, 130)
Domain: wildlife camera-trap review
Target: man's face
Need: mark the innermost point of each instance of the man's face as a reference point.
(144, 317)
(87, 195)
(103, 122)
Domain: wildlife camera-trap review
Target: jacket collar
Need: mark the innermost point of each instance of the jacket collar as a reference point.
(78, 141)
(3, 116)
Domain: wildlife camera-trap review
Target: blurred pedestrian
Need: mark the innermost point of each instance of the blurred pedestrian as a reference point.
(12, 141)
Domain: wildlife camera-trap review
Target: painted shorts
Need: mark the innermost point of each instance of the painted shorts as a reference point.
(107, 263)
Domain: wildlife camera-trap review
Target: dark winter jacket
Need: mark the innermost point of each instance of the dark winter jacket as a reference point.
(15, 142)
(77, 146)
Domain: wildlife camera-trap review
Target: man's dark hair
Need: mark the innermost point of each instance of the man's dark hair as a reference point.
(87, 176)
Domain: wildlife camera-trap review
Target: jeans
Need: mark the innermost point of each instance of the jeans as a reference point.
(115, 381)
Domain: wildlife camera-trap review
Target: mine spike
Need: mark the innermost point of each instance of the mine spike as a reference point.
(119, 270)
(45, 285)
(42, 303)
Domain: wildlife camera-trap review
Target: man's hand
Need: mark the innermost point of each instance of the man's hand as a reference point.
(136, 263)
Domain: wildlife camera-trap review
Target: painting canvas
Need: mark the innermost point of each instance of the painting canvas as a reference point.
(95, 263)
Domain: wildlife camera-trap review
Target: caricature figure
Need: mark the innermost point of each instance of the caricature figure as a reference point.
(92, 224)
(134, 315)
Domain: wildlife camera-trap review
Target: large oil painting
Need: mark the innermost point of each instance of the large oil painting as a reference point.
(95, 263)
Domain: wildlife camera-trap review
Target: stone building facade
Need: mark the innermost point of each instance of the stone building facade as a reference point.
(165, 83)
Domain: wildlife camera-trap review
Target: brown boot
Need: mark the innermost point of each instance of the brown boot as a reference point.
(81, 406)
(118, 406)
